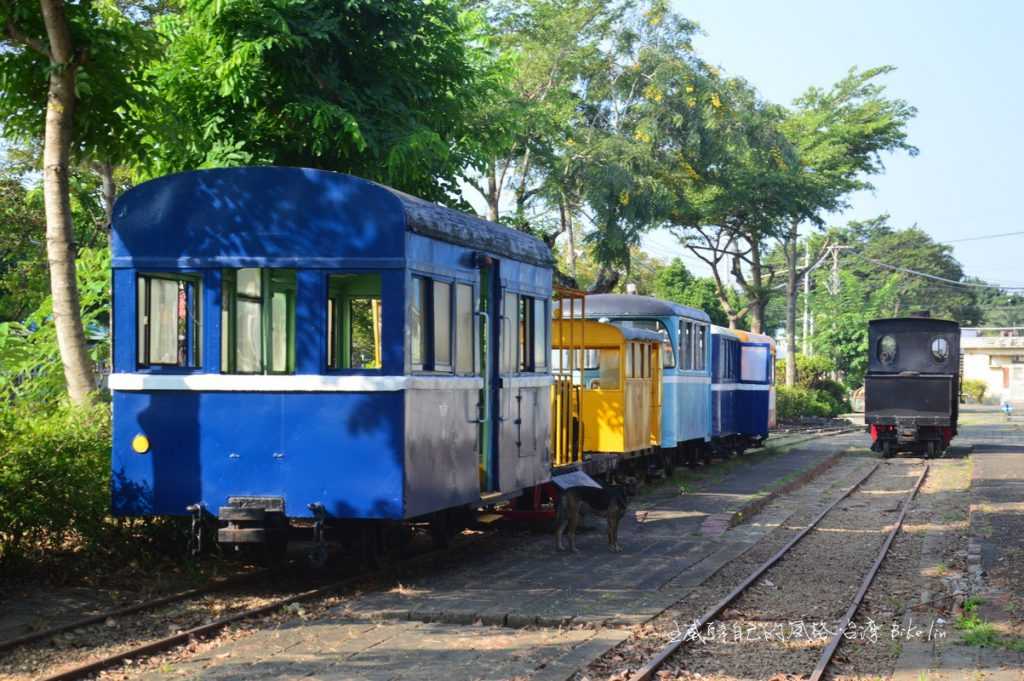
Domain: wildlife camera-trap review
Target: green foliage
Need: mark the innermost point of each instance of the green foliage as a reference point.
(108, 81)
(674, 282)
(30, 367)
(23, 276)
(799, 401)
(974, 389)
(54, 478)
(380, 89)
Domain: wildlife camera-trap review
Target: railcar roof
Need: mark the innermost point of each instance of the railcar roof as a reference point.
(603, 330)
(634, 334)
(723, 331)
(624, 305)
(280, 213)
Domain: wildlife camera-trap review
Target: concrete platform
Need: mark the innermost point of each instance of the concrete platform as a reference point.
(527, 611)
(995, 547)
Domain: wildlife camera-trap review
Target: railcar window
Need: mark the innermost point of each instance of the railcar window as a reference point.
(699, 361)
(258, 315)
(418, 322)
(540, 331)
(940, 349)
(608, 374)
(465, 338)
(887, 349)
(686, 345)
(442, 321)
(169, 331)
(754, 365)
(629, 360)
(668, 355)
(353, 321)
(509, 330)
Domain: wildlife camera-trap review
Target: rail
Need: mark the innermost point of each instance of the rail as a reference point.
(650, 669)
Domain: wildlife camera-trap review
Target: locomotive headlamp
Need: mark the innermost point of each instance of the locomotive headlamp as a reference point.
(140, 444)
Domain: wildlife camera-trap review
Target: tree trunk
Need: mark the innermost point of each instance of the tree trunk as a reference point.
(60, 247)
(107, 188)
(757, 289)
(493, 192)
(756, 316)
(789, 249)
(607, 279)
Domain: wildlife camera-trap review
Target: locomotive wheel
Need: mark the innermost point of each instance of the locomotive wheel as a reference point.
(933, 450)
(888, 450)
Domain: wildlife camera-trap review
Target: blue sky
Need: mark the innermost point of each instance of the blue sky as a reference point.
(960, 63)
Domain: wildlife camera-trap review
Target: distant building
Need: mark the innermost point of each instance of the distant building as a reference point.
(995, 356)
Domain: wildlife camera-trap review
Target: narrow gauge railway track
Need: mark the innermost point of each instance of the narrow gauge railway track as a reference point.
(115, 613)
(650, 670)
(149, 645)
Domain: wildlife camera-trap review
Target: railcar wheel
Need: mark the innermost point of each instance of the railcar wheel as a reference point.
(443, 529)
(668, 464)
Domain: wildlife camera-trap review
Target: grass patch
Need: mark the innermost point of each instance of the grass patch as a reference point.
(979, 633)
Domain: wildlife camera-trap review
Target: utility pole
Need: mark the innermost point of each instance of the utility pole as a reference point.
(833, 285)
(807, 298)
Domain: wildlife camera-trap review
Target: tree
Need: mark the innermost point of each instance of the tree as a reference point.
(22, 251)
(49, 60)
(732, 175)
(996, 306)
(674, 282)
(381, 89)
(839, 136)
(872, 284)
(877, 253)
(547, 48)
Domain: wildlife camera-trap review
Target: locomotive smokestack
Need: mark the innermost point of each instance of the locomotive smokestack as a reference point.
(924, 314)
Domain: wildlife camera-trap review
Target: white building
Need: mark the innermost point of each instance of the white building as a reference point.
(995, 356)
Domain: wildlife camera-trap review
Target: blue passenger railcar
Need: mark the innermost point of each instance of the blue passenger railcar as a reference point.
(311, 344)
(755, 405)
(725, 386)
(686, 379)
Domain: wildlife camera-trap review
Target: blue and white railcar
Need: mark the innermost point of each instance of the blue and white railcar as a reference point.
(316, 345)
(756, 390)
(686, 377)
(725, 382)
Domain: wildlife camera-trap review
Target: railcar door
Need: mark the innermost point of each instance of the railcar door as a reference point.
(490, 321)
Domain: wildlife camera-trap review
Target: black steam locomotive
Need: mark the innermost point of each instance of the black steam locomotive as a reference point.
(912, 387)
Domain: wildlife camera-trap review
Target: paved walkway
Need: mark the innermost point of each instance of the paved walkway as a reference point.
(995, 547)
(525, 611)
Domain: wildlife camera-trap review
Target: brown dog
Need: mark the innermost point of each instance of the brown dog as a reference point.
(609, 502)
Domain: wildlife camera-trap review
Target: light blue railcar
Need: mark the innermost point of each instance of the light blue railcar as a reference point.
(686, 379)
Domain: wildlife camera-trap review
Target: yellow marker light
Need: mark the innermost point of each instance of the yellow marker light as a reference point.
(140, 443)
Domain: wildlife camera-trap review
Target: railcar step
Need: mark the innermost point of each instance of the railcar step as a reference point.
(240, 514)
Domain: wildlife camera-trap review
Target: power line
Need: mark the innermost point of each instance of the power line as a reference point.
(981, 238)
(967, 284)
